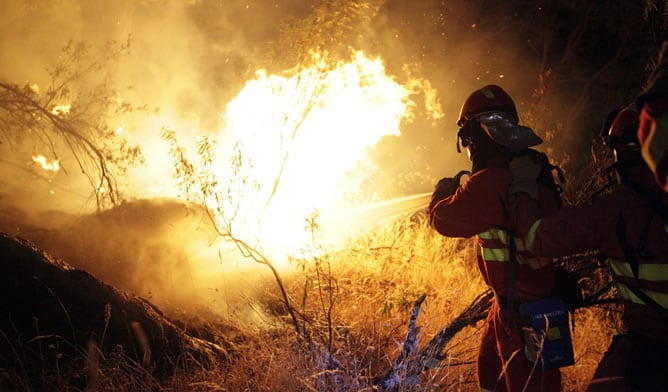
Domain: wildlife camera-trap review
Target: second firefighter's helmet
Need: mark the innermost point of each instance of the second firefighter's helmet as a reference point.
(622, 138)
(621, 134)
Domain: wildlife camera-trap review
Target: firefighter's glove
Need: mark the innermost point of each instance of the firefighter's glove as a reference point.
(446, 187)
(525, 170)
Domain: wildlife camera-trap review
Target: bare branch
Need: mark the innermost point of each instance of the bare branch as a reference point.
(410, 365)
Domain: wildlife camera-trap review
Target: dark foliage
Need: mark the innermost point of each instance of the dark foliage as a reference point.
(54, 317)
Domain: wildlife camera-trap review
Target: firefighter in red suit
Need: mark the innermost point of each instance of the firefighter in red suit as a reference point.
(628, 226)
(653, 127)
(490, 131)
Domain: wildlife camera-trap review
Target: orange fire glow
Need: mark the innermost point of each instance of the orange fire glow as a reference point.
(295, 146)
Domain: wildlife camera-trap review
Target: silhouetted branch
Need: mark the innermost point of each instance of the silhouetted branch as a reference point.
(99, 151)
(411, 363)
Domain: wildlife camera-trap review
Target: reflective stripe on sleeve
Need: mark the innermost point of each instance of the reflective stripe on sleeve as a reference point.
(652, 272)
(494, 244)
(494, 234)
(499, 254)
(626, 293)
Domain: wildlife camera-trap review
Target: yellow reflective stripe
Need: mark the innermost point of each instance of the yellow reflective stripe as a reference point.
(497, 254)
(494, 234)
(501, 235)
(503, 254)
(654, 272)
(624, 292)
(531, 236)
(486, 235)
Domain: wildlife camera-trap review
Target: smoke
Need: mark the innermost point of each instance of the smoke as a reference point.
(186, 60)
(189, 58)
(548, 56)
(162, 250)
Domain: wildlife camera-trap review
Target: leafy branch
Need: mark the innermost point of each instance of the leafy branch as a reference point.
(200, 183)
(71, 117)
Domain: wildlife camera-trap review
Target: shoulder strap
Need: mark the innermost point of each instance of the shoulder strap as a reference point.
(511, 274)
(511, 278)
(547, 178)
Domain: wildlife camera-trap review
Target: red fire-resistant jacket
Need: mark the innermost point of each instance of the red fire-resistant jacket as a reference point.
(609, 224)
(480, 207)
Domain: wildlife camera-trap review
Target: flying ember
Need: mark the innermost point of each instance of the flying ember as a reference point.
(60, 110)
(53, 166)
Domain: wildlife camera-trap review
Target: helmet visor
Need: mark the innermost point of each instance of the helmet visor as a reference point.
(503, 129)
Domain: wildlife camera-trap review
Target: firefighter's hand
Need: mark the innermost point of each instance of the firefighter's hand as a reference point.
(525, 170)
(446, 187)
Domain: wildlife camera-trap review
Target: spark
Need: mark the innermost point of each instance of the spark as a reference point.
(61, 110)
(53, 166)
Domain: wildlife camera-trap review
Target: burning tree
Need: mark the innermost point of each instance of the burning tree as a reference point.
(69, 117)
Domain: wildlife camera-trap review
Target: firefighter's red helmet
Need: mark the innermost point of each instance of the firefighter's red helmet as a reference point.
(622, 136)
(490, 98)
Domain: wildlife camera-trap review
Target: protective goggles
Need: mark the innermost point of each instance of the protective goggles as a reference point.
(502, 128)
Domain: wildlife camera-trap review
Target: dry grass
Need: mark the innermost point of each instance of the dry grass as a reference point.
(377, 281)
(357, 303)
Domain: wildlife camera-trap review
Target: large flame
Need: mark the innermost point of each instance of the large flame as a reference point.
(295, 147)
(304, 138)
